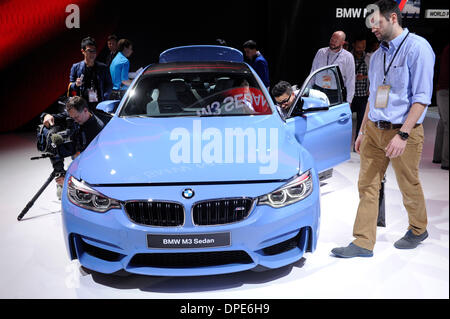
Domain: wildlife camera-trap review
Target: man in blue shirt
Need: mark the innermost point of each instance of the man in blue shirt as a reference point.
(119, 69)
(257, 61)
(89, 78)
(401, 86)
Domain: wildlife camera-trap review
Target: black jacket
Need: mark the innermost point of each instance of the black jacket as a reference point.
(84, 134)
(88, 131)
(103, 79)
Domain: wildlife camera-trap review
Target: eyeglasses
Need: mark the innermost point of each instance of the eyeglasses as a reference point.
(284, 101)
(90, 51)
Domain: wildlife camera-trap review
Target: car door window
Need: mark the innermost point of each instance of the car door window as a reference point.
(321, 89)
(324, 85)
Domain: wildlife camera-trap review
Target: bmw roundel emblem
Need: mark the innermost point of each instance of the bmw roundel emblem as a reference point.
(188, 193)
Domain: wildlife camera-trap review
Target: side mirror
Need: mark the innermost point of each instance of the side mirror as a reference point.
(311, 104)
(311, 101)
(314, 101)
(108, 106)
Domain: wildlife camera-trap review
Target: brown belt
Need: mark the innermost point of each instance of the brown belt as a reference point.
(385, 125)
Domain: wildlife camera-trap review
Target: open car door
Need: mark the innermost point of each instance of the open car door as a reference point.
(321, 119)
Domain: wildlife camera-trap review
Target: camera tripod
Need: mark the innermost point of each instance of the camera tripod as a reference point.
(54, 174)
(381, 221)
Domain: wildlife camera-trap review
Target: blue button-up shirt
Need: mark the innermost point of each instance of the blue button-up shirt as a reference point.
(119, 69)
(410, 77)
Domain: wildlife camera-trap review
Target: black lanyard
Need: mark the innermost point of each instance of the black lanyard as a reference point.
(395, 54)
(328, 57)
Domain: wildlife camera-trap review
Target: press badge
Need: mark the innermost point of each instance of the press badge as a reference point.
(326, 82)
(381, 100)
(92, 94)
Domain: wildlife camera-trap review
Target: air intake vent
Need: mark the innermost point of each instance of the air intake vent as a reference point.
(100, 253)
(190, 260)
(163, 214)
(219, 212)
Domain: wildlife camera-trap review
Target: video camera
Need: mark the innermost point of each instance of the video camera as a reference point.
(54, 142)
(58, 140)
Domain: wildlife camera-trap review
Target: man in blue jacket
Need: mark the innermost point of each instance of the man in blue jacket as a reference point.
(257, 61)
(89, 78)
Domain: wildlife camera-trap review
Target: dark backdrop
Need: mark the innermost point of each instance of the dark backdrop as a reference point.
(288, 33)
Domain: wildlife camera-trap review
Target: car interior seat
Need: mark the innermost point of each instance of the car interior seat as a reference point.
(184, 92)
(223, 84)
(152, 106)
(167, 101)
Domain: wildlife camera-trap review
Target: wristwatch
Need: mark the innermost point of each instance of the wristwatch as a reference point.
(403, 135)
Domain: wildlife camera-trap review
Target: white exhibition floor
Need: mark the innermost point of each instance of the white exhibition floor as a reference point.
(34, 262)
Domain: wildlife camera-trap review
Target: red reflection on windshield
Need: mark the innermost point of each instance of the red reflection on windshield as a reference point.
(253, 97)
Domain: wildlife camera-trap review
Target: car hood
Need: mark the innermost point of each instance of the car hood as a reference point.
(190, 150)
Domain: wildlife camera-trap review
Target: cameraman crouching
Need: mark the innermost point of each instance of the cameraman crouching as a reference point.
(89, 126)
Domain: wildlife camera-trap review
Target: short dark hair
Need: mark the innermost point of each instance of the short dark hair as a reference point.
(113, 37)
(359, 36)
(88, 41)
(280, 88)
(359, 40)
(387, 7)
(77, 103)
(124, 43)
(250, 44)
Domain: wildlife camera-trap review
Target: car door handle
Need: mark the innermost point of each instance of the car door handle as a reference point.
(344, 118)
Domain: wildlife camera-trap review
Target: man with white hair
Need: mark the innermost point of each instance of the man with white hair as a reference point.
(336, 54)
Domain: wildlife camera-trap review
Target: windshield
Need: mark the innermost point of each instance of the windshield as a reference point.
(215, 89)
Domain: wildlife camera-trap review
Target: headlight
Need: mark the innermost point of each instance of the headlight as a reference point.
(295, 190)
(82, 195)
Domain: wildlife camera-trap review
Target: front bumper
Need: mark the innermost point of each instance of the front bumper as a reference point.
(267, 238)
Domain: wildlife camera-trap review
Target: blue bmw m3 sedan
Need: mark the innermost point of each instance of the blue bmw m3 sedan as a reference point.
(198, 172)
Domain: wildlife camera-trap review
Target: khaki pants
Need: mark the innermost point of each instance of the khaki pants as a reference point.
(373, 167)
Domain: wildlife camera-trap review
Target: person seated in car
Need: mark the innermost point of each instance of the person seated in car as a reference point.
(284, 94)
